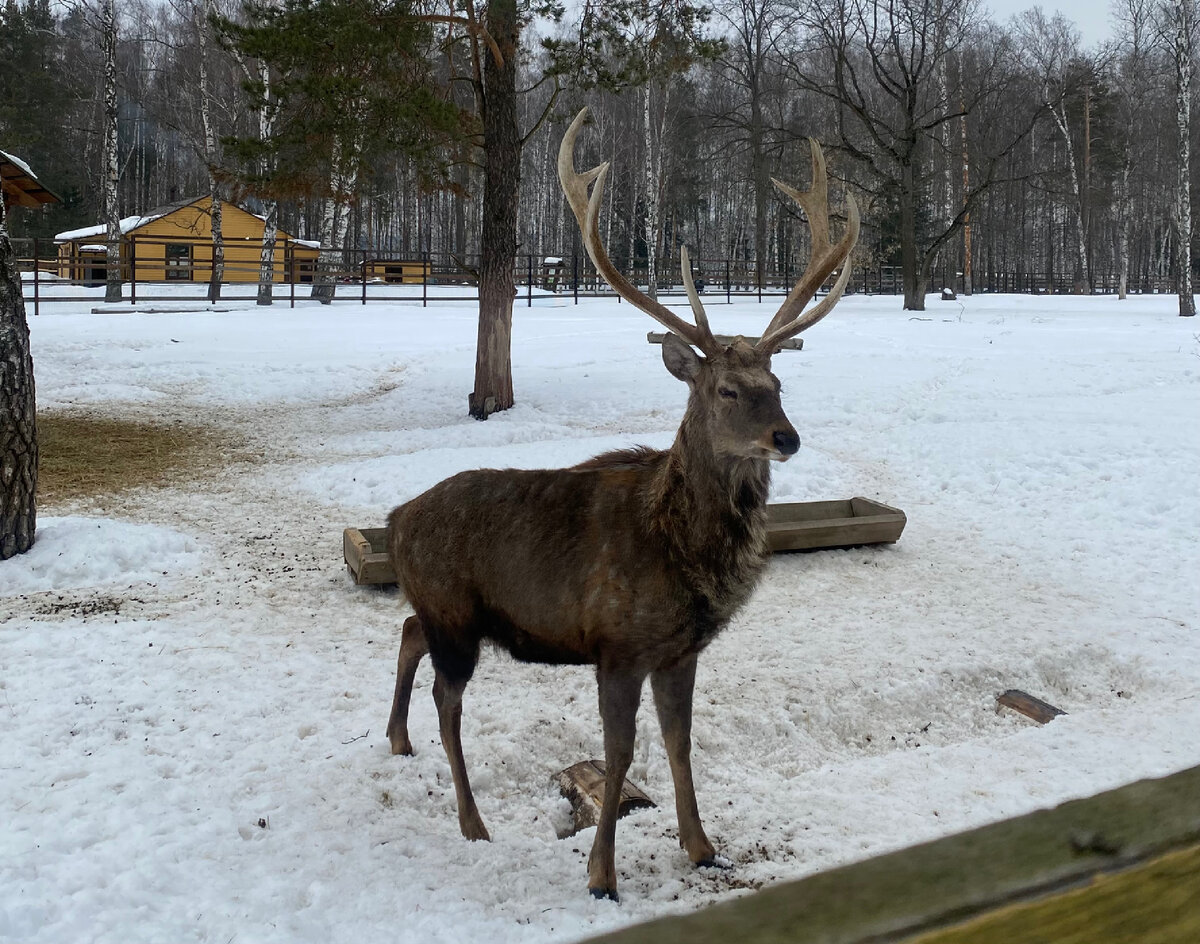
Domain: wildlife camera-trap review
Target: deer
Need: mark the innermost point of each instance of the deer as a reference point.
(632, 561)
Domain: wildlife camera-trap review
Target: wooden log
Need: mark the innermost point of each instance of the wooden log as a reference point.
(1122, 867)
(789, 344)
(583, 785)
(1040, 711)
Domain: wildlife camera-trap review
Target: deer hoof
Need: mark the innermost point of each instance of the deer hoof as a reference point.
(474, 831)
(402, 747)
(602, 893)
(715, 862)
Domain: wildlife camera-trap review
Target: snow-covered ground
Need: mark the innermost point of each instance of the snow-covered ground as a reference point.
(193, 696)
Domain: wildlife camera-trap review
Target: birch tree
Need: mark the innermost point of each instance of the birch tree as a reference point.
(204, 18)
(111, 159)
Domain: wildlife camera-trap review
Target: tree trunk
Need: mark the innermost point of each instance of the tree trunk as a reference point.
(651, 195)
(266, 256)
(501, 190)
(968, 282)
(217, 269)
(762, 179)
(1083, 282)
(335, 213)
(18, 416)
(1124, 211)
(112, 170)
(911, 270)
(1183, 215)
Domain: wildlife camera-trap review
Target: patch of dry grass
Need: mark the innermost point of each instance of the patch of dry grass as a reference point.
(83, 455)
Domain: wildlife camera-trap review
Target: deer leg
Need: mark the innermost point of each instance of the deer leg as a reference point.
(620, 693)
(673, 698)
(413, 647)
(447, 695)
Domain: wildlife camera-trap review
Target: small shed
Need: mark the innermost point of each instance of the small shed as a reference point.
(173, 243)
(20, 185)
(405, 271)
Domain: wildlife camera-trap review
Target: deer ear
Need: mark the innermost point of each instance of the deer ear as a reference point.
(681, 360)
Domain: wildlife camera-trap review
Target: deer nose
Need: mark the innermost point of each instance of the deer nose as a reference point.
(786, 441)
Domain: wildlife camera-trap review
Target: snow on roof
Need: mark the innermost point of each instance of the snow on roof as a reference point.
(20, 163)
(130, 223)
(127, 224)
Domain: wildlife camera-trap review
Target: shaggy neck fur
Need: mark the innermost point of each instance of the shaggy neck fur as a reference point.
(713, 510)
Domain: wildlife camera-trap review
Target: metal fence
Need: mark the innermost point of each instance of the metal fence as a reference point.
(171, 271)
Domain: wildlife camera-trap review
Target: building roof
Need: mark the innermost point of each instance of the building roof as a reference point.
(20, 184)
(131, 223)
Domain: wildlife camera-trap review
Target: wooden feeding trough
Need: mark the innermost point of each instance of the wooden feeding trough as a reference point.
(811, 526)
(793, 526)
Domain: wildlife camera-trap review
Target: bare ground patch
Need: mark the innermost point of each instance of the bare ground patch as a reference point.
(84, 455)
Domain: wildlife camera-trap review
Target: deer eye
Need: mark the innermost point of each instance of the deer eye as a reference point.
(727, 393)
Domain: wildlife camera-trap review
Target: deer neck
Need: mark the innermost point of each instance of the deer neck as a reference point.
(709, 501)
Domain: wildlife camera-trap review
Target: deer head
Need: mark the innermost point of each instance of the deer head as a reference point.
(733, 391)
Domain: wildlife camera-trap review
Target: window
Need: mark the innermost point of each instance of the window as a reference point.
(179, 262)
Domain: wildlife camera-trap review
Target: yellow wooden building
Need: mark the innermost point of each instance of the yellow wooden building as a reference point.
(173, 243)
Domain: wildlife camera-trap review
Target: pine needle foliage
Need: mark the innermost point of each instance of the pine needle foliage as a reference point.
(351, 82)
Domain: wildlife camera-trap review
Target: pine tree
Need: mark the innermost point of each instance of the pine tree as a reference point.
(345, 82)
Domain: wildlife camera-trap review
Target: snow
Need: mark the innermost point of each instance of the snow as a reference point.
(128, 224)
(193, 696)
(21, 165)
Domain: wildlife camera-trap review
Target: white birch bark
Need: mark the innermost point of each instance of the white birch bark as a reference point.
(335, 209)
(649, 195)
(266, 256)
(217, 271)
(112, 170)
(1059, 111)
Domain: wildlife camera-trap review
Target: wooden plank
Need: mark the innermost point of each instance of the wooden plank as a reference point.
(1155, 901)
(1138, 843)
(583, 785)
(1040, 711)
(790, 344)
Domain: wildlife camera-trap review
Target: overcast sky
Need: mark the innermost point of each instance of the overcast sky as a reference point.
(1092, 17)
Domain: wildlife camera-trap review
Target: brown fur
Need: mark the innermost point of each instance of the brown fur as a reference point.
(631, 561)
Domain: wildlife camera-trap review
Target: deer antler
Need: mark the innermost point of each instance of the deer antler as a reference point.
(789, 320)
(587, 214)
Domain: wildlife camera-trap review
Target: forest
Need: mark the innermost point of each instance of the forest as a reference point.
(985, 156)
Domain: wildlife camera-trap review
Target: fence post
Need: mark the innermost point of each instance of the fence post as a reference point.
(529, 287)
(35, 276)
(133, 269)
(727, 285)
(575, 275)
(424, 279)
(290, 252)
(364, 276)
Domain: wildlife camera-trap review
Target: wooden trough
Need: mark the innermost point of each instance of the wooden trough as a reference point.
(793, 526)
